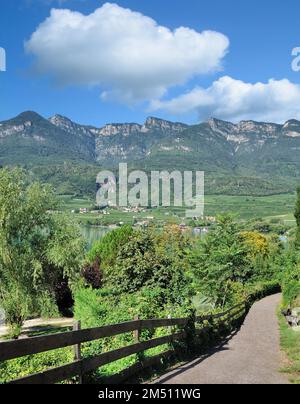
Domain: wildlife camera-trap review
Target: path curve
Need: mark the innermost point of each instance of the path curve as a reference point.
(37, 324)
(250, 356)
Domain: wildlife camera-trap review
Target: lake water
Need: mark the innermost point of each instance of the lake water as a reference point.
(94, 233)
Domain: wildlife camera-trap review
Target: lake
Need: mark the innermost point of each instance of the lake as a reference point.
(94, 233)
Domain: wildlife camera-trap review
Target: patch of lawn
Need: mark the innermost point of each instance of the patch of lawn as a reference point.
(246, 207)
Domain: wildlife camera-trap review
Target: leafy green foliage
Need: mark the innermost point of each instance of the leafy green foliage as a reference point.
(147, 277)
(229, 259)
(92, 274)
(156, 273)
(94, 308)
(290, 343)
(38, 248)
(106, 249)
(220, 261)
(291, 274)
(290, 279)
(297, 217)
(151, 259)
(28, 365)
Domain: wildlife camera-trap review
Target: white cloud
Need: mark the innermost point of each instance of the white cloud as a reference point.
(127, 54)
(235, 100)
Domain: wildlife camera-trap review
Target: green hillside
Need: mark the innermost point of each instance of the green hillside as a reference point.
(249, 158)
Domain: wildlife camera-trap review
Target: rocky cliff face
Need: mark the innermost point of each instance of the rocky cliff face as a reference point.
(215, 145)
(69, 126)
(245, 131)
(118, 142)
(151, 125)
(163, 126)
(29, 138)
(291, 129)
(123, 129)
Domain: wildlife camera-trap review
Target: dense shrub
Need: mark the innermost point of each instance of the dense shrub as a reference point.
(297, 217)
(291, 274)
(27, 365)
(94, 308)
(257, 244)
(145, 275)
(220, 260)
(106, 249)
(92, 274)
(230, 258)
(157, 273)
(291, 291)
(259, 290)
(290, 279)
(63, 296)
(38, 248)
(150, 258)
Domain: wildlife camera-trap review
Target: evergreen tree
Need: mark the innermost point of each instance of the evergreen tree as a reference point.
(221, 261)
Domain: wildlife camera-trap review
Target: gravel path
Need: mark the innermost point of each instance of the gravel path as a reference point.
(250, 356)
(38, 324)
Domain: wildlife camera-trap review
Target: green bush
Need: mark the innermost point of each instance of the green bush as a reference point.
(154, 273)
(27, 365)
(153, 259)
(220, 261)
(94, 309)
(290, 279)
(291, 291)
(106, 249)
(290, 343)
(38, 248)
(259, 290)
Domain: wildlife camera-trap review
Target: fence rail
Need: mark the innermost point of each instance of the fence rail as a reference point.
(30, 346)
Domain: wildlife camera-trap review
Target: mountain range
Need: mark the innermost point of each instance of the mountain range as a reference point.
(250, 158)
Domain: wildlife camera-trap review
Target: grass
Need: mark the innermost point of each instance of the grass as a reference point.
(290, 344)
(249, 207)
(246, 207)
(42, 331)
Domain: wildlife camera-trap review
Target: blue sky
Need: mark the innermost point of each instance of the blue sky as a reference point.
(261, 36)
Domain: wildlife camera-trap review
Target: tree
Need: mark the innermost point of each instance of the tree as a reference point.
(265, 253)
(106, 249)
(220, 260)
(297, 217)
(152, 259)
(38, 248)
(258, 244)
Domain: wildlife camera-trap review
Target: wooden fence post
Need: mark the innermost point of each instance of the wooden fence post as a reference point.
(137, 332)
(170, 328)
(77, 348)
(137, 338)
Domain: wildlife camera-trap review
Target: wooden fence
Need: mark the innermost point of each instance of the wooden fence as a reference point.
(81, 366)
